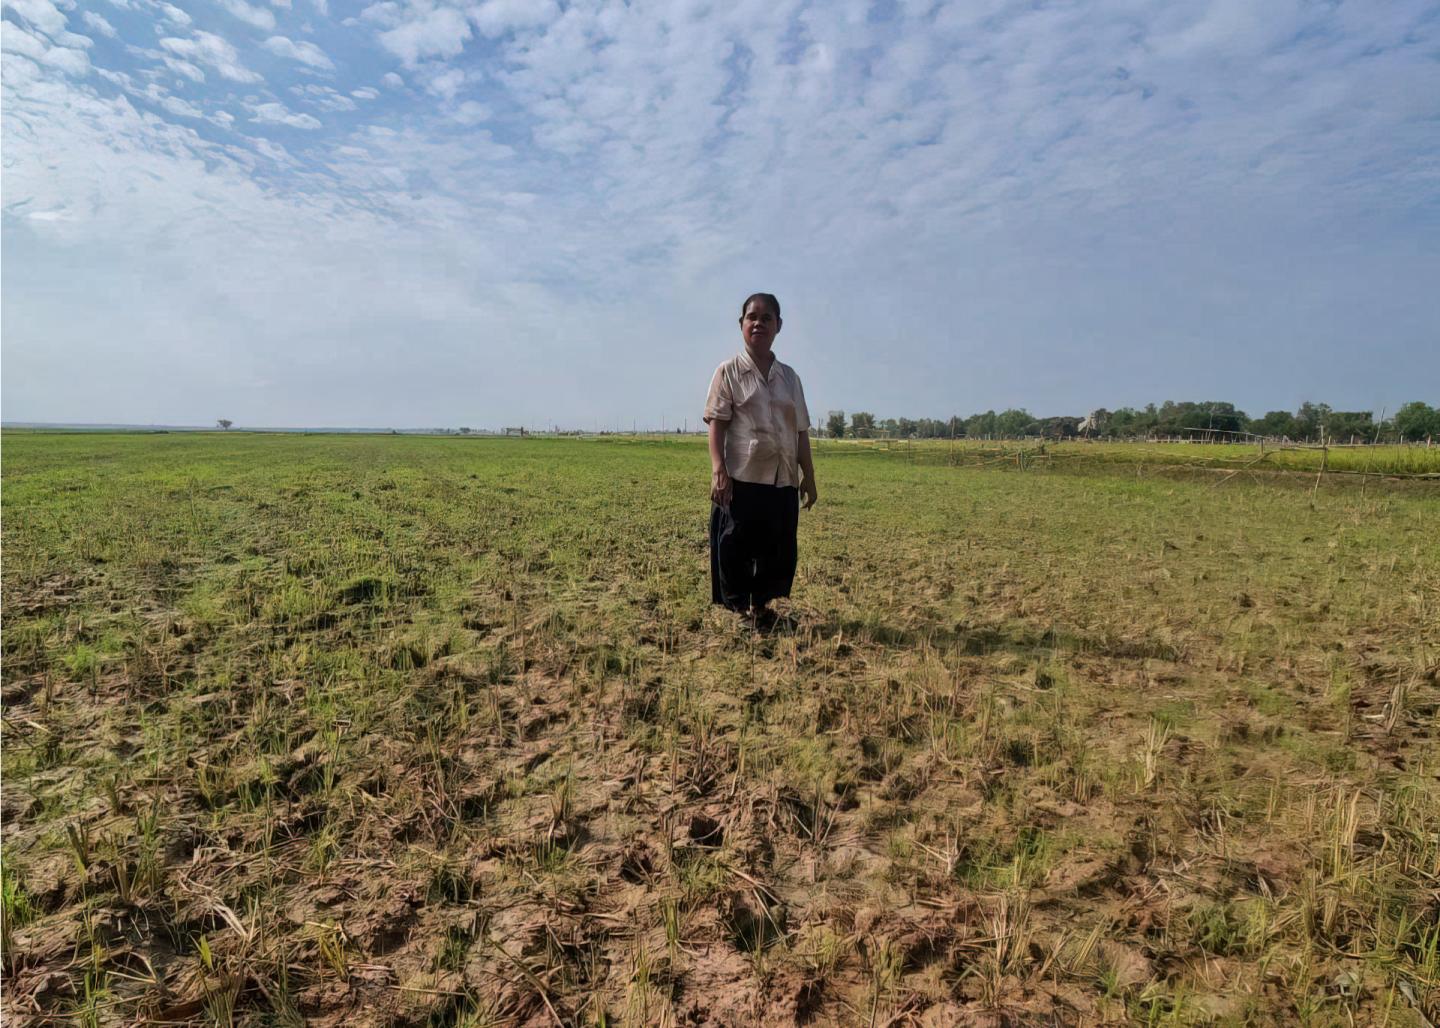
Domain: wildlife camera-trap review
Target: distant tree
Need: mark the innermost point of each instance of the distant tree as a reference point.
(1342, 425)
(1064, 427)
(1171, 418)
(931, 428)
(1275, 423)
(464, 430)
(1097, 423)
(1416, 421)
(981, 424)
(224, 424)
(1122, 423)
(1310, 419)
(1174, 418)
(1167, 418)
(1224, 416)
(1014, 422)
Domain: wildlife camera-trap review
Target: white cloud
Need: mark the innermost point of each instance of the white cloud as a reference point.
(181, 108)
(14, 39)
(433, 32)
(259, 17)
(442, 80)
(71, 39)
(185, 68)
(393, 80)
(173, 14)
(365, 93)
(177, 106)
(99, 24)
(213, 51)
(43, 14)
(386, 14)
(324, 97)
(223, 118)
(322, 6)
(118, 78)
(305, 53)
(17, 72)
(279, 114)
(284, 5)
(124, 5)
(472, 112)
(274, 151)
(497, 17)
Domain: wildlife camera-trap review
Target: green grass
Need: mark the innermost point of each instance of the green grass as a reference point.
(398, 724)
(1401, 459)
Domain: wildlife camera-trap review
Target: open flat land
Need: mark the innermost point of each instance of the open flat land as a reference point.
(444, 731)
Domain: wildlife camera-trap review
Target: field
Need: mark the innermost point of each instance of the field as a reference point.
(1400, 461)
(444, 731)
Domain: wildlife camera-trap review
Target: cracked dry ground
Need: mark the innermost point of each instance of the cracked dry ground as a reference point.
(566, 792)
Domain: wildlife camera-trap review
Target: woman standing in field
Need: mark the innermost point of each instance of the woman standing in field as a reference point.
(760, 464)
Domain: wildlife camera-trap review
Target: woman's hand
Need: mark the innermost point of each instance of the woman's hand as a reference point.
(721, 488)
(807, 471)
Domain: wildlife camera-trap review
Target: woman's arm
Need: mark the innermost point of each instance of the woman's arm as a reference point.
(720, 487)
(807, 472)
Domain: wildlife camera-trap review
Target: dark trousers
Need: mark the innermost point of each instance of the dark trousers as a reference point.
(752, 545)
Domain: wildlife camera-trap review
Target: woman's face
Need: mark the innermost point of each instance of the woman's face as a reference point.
(758, 326)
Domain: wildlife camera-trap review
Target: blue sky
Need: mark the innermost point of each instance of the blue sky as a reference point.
(414, 212)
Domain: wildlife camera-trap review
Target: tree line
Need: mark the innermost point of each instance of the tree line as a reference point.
(1313, 422)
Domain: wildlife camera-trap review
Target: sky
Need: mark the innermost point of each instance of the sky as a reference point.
(516, 212)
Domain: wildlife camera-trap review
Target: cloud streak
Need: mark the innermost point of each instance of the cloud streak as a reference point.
(305, 53)
(279, 114)
(255, 17)
(98, 24)
(212, 51)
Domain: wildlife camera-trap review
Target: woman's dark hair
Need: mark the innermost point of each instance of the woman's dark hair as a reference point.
(767, 297)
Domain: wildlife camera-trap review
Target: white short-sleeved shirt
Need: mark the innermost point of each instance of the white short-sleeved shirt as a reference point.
(766, 415)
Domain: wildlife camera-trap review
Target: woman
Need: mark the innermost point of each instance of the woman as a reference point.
(760, 463)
